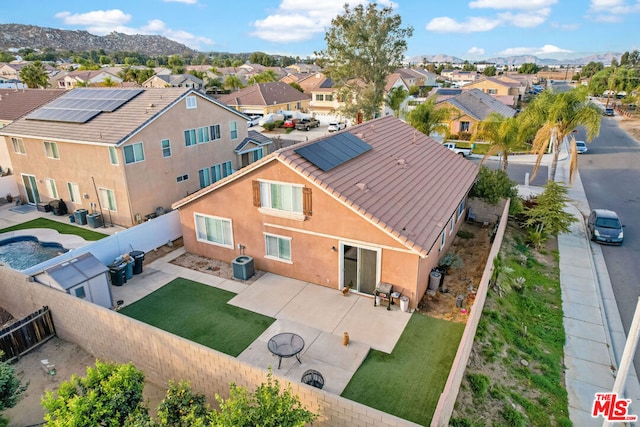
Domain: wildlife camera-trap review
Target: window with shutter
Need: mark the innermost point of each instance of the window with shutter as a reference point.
(306, 201)
(256, 194)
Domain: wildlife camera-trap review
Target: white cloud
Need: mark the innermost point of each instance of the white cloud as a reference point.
(472, 25)
(181, 1)
(511, 4)
(476, 51)
(299, 20)
(611, 10)
(525, 20)
(103, 22)
(544, 50)
(566, 27)
(96, 18)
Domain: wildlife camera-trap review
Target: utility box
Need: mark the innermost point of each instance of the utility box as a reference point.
(243, 267)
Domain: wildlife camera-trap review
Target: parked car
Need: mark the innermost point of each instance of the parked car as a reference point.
(306, 124)
(605, 227)
(464, 152)
(253, 121)
(581, 147)
(289, 123)
(609, 112)
(336, 126)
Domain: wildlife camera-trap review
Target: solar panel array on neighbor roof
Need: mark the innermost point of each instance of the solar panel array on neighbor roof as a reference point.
(81, 105)
(330, 152)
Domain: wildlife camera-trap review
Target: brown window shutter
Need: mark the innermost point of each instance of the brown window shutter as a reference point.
(256, 194)
(306, 201)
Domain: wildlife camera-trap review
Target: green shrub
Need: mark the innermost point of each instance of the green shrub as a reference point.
(479, 384)
(513, 417)
(269, 126)
(279, 123)
(493, 186)
(464, 234)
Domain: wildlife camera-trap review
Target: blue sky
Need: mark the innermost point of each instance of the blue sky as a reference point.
(471, 30)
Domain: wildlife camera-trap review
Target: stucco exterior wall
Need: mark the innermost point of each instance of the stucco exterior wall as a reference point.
(312, 240)
(153, 183)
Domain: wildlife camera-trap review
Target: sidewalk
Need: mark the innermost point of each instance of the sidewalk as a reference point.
(595, 338)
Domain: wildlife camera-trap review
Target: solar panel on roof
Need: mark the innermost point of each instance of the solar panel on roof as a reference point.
(330, 152)
(81, 105)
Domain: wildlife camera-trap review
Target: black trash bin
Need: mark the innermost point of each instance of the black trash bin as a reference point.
(138, 258)
(117, 273)
(81, 216)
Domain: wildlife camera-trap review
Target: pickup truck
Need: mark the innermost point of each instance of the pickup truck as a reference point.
(464, 152)
(306, 124)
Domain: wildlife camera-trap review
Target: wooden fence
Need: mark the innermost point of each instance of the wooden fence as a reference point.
(26, 334)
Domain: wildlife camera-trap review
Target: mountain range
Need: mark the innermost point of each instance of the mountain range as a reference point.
(17, 36)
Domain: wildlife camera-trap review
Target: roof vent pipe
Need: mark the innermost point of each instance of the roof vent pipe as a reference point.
(362, 186)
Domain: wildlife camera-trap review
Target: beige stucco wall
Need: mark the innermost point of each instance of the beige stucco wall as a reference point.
(312, 240)
(152, 183)
(139, 188)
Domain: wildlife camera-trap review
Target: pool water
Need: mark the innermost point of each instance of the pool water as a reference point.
(22, 252)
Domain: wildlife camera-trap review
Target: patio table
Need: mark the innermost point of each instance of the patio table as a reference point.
(286, 344)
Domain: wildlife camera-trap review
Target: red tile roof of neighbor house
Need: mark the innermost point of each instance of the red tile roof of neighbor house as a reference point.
(14, 103)
(109, 128)
(408, 184)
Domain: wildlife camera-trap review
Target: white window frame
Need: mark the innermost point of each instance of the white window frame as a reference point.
(192, 139)
(166, 151)
(266, 205)
(113, 156)
(18, 145)
(451, 222)
(76, 292)
(202, 134)
(132, 147)
(107, 195)
(191, 102)
(277, 257)
(51, 150)
(74, 193)
(226, 243)
(461, 208)
(50, 183)
(215, 132)
(233, 130)
(443, 239)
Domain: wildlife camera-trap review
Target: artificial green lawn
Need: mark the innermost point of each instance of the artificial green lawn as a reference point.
(62, 228)
(407, 383)
(200, 313)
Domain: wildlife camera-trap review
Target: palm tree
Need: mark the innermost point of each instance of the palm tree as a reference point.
(428, 119)
(264, 77)
(503, 134)
(232, 82)
(34, 75)
(554, 117)
(395, 98)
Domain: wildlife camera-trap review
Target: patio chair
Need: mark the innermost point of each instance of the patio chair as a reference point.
(471, 216)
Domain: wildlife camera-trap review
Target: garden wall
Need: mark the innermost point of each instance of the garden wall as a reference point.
(485, 212)
(449, 395)
(110, 336)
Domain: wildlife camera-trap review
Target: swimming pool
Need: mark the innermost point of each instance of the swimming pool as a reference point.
(22, 252)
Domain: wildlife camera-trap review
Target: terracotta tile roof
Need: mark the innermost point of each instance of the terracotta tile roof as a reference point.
(391, 80)
(16, 103)
(253, 137)
(108, 128)
(408, 184)
(264, 94)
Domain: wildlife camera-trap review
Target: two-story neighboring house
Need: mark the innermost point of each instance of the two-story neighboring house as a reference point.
(86, 78)
(125, 152)
(376, 203)
(507, 92)
(471, 107)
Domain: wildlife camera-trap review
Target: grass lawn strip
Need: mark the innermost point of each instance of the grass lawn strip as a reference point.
(515, 376)
(407, 383)
(200, 313)
(58, 226)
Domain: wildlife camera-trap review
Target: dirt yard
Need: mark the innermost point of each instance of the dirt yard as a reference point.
(632, 127)
(462, 281)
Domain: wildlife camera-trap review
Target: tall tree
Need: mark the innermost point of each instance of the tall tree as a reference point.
(10, 387)
(34, 75)
(395, 98)
(490, 71)
(177, 64)
(264, 77)
(554, 117)
(232, 82)
(364, 45)
(502, 133)
(548, 216)
(428, 119)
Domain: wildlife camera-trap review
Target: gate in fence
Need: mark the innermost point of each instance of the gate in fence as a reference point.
(26, 334)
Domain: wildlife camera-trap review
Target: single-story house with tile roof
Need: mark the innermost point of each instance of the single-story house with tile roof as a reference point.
(471, 107)
(125, 152)
(375, 203)
(173, 80)
(267, 98)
